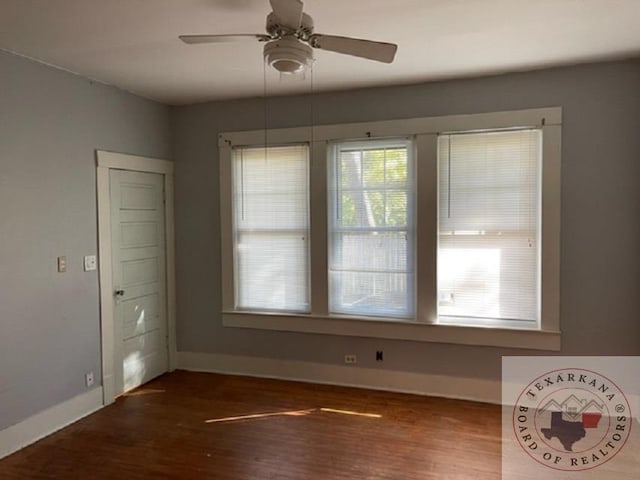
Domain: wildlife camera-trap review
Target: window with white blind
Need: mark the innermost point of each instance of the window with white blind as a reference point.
(271, 225)
(425, 229)
(371, 228)
(489, 227)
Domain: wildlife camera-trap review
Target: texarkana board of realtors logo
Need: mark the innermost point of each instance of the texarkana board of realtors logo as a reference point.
(570, 419)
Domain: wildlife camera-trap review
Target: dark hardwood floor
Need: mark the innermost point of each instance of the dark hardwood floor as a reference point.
(185, 426)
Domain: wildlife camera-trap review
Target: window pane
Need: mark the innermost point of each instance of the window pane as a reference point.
(378, 251)
(371, 228)
(489, 216)
(271, 216)
(272, 270)
(395, 208)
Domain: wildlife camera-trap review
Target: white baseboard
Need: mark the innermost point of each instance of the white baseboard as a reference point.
(474, 389)
(48, 421)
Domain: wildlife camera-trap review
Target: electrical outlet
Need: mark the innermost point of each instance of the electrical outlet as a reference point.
(62, 264)
(350, 358)
(89, 379)
(90, 262)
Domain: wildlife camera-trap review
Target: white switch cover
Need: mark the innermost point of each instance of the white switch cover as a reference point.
(90, 262)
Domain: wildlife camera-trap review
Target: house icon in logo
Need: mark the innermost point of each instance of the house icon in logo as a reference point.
(582, 415)
(573, 407)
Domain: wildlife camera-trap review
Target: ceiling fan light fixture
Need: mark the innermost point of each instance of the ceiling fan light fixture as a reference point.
(290, 40)
(288, 55)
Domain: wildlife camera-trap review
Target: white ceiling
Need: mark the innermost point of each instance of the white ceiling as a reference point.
(133, 44)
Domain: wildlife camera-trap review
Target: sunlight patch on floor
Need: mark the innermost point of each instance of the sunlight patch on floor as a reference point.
(349, 412)
(291, 413)
(146, 391)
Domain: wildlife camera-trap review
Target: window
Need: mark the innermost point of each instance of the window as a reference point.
(371, 228)
(488, 227)
(427, 229)
(271, 223)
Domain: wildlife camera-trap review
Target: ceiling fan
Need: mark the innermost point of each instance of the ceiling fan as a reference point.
(290, 40)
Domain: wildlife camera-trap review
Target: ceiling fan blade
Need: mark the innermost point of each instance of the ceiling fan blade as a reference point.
(196, 39)
(379, 51)
(289, 12)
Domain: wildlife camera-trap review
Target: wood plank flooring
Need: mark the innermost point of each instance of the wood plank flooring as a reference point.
(187, 425)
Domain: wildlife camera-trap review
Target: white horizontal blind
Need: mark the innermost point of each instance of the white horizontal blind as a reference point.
(371, 229)
(489, 226)
(271, 226)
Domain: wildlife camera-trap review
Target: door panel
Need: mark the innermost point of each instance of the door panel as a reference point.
(136, 196)
(143, 360)
(135, 272)
(142, 234)
(139, 277)
(140, 315)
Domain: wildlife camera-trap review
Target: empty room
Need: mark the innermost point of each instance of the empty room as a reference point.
(268, 239)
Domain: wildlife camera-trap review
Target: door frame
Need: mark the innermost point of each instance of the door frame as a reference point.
(106, 161)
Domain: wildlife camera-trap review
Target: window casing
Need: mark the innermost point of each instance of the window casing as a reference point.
(425, 316)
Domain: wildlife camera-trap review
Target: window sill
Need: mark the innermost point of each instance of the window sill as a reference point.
(397, 330)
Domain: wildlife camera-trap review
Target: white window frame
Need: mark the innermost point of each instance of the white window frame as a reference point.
(424, 326)
(297, 232)
(332, 160)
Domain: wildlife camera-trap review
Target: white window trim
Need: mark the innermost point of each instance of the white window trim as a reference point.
(298, 231)
(410, 186)
(425, 326)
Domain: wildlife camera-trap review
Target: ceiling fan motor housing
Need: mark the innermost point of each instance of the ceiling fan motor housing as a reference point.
(276, 29)
(288, 54)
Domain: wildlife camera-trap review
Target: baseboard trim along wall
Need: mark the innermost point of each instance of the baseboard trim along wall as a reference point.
(479, 390)
(48, 421)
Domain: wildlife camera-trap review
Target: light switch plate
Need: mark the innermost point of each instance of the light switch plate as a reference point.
(90, 263)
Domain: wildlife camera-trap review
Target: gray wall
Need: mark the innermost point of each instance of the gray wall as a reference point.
(600, 269)
(51, 123)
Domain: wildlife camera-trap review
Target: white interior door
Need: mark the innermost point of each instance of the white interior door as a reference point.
(139, 277)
